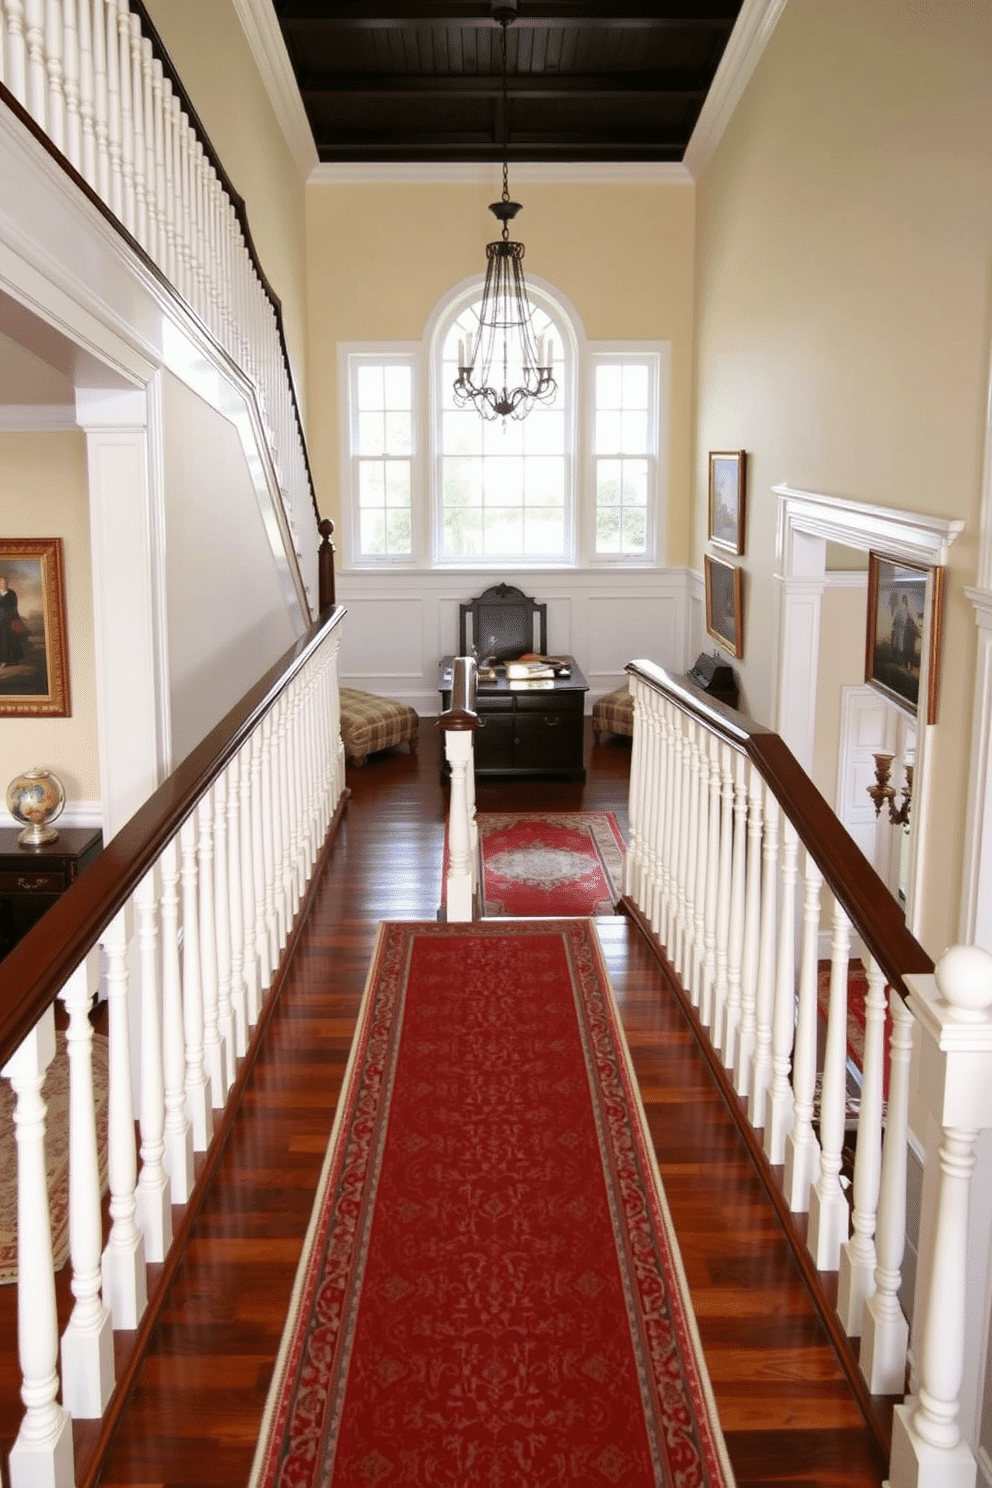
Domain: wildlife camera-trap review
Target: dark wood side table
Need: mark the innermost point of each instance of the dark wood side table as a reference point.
(32, 878)
(526, 728)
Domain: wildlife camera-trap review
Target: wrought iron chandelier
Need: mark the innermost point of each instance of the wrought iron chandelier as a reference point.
(504, 369)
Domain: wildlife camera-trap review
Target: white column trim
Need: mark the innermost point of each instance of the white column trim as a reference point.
(976, 878)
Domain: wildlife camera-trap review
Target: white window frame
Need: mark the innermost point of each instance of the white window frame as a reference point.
(656, 356)
(351, 357)
(577, 368)
(566, 363)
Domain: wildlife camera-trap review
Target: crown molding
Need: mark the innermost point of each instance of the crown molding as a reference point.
(755, 24)
(451, 173)
(258, 21)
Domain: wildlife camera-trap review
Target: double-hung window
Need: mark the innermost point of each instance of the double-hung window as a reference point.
(383, 451)
(625, 417)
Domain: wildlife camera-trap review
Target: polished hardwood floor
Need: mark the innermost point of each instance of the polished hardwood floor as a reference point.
(788, 1412)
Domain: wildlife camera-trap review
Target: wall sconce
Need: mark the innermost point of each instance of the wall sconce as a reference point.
(883, 791)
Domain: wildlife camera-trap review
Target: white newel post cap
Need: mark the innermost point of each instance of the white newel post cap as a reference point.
(954, 1010)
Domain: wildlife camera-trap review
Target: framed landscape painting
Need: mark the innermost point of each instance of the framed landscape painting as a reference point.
(724, 603)
(902, 630)
(728, 480)
(34, 669)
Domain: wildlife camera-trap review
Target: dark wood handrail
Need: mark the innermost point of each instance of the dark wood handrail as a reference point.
(236, 200)
(32, 974)
(865, 897)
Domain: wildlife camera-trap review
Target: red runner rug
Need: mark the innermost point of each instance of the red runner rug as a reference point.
(549, 863)
(490, 1294)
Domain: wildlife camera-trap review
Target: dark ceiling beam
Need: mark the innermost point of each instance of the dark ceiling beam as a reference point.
(664, 145)
(361, 15)
(619, 86)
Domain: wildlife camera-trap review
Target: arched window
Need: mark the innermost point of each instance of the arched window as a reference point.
(503, 488)
(577, 482)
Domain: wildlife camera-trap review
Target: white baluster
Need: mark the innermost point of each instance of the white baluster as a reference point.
(87, 94)
(124, 80)
(168, 188)
(828, 1211)
(222, 933)
(150, 172)
(723, 766)
(952, 1009)
(88, 1341)
(101, 102)
(761, 1060)
(250, 969)
(138, 129)
(42, 1454)
(213, 1047)
(115, 126)
(124, 1281)
(178, 1157)
(260, 857)
(802, 1150)
(198, 1104)
(458, 748)
(856, 1280)
(284, 825)
(54, 114)
(669, 825)
(153, 1212)
(885, 1333)
(686, 730)
(7, 45)
(34, 37)
(779, 1114)
(744, 1048)
(633, 867)
(713, 865)
(701, 827)
(239, 1002)
(727, 1036)
(694, 818)
(648, 718)
(70, 82)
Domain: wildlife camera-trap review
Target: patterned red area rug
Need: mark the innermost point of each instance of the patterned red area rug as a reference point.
(549, 863)
(490, 1292)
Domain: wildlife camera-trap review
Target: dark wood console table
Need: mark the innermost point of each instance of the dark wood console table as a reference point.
(526, 728)
(32, 878)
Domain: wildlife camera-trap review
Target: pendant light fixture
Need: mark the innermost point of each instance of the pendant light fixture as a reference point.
(504, 369)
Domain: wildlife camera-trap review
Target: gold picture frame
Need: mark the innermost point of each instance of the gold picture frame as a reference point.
(727, 499)
(905, 611)
(34, 652)
(724, 603)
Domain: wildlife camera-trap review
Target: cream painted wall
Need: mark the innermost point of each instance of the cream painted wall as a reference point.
(843, 249)
(209, 50)
(381, 257)
(43, 480)
(227, 619)
(841, 664)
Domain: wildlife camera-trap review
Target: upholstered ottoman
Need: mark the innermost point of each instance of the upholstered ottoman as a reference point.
(369, 723)
(613, 714)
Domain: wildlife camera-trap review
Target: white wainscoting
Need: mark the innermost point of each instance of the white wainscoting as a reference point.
(400, 624)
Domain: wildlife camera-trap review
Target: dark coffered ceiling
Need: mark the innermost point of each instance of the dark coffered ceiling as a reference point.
(421, 80)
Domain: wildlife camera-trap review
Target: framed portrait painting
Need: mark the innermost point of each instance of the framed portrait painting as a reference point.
(34, 666)
(728, 480)
(905, 604)
(724, 603)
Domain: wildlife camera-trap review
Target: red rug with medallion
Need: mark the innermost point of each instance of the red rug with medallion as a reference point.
(539, 863)
(490, 1293)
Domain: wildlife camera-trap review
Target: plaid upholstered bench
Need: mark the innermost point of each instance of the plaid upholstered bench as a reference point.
(613, 714)
(370, 723)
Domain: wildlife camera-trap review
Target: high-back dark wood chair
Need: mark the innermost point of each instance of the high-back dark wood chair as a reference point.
(502, 624)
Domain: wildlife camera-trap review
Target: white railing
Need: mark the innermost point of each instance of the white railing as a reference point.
(203, 886)
(458, 724)
(731, 848)
(106, 97)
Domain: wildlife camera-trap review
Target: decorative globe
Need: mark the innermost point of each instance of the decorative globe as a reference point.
(35, 799)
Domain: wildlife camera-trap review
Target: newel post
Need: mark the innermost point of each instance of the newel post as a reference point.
(325, 565)
(954, 1011)
(459, 724)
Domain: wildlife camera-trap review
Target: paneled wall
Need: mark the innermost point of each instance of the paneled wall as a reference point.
(399, 625)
